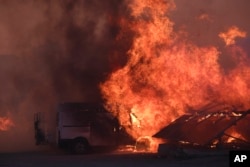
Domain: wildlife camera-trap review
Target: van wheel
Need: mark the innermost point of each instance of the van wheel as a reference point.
(80, 147)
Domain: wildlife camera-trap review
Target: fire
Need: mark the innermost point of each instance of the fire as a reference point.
(231, 34)
(147, 144)
(235, 135)
(5, 123)
(166, 74)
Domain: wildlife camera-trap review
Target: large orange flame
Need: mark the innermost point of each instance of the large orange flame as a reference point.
(166, 74)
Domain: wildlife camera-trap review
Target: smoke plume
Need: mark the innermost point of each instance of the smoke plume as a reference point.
(51, 51)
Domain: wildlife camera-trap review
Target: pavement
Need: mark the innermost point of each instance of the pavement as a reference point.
(54, 158)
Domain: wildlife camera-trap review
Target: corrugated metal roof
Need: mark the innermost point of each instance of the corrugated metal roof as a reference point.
(204, 128)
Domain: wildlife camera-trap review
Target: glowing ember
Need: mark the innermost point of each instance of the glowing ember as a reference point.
(234, 136)
(126, 148)
(166, 75)
(5, 123)
(147, 144)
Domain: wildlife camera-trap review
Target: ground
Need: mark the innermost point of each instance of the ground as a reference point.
(110, 159)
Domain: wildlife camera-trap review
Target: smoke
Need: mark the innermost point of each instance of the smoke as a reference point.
(51, 51)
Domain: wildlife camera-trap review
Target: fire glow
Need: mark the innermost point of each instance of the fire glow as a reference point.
(166, 74)
(5, 123)
(231, 34)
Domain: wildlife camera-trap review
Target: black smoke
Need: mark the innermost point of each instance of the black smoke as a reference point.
(52, 51)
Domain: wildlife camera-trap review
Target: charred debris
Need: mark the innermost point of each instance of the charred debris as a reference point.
(215, 128)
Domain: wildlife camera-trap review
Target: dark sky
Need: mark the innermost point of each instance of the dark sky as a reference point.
(54, 51)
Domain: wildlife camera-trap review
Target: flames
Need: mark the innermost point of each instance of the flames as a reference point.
(231, 34)
(5, 123)
(233, 136)
(166, 74)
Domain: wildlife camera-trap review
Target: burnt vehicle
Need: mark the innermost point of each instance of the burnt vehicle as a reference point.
(81, 127)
